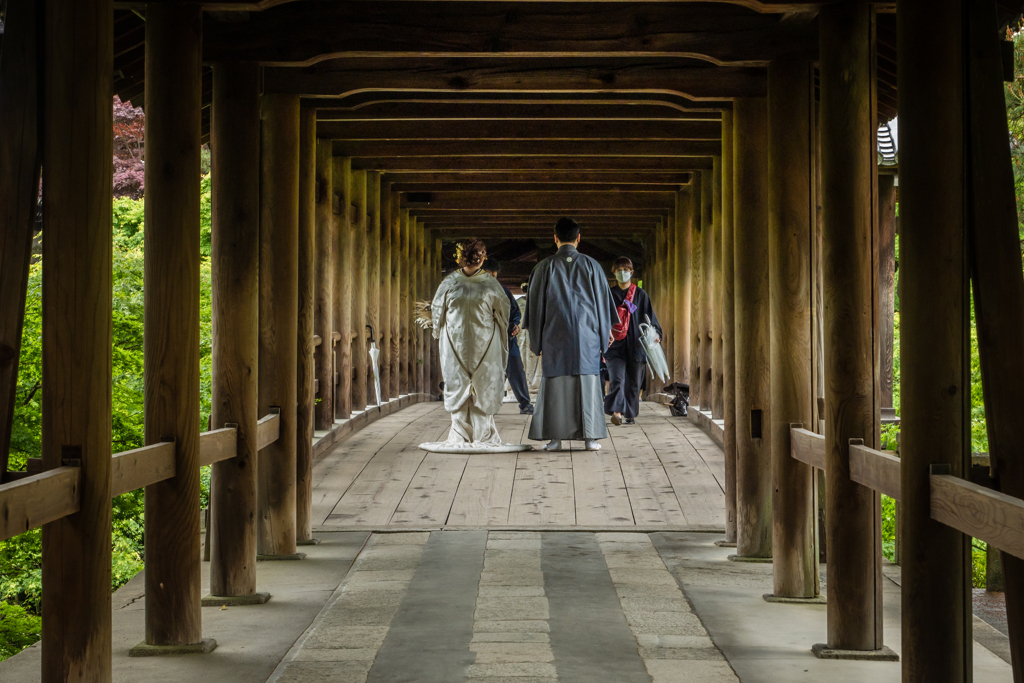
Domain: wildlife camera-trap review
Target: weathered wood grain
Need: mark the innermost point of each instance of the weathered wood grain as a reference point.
(877, 470)
(343, 283)
(373, 271)
(807, 447)
(542, 492)
(626, 108)
(360, 287)
(715, 278)
(323, 313)
(432, 490)
(700, 497)
(395, 311)
(564, 163)
(171, 346)
(693, 206)
(39, 499)
(728, 328)
(305, 374)
(218, 445)
(483, 129)
(384, 334)
(680, 150)
(235, 319)
(485, 491)
(981, 513)
(707, 283)
(651, 495)
(599, 489)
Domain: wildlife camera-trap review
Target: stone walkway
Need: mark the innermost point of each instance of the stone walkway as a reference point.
(500, 606)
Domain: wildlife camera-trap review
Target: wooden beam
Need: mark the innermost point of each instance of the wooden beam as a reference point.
(20, 154)
(551, 216)
(978, 512)
(77, 131)
(681, 149)
(685, 77)
(483, 129)
(305, 373)
(877, 470)
(569, 163)
(308, 35)
(39, 499)
(534, 188)
(235, 261)
(791, 215)
(512, 201)
(268, 430)
(173, 106)
(278, 354)
(624, 177)
(141, 467)
(218, 445)
(581, 108)
(807, 447)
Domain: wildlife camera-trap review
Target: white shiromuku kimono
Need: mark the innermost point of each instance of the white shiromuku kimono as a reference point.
(470, 316)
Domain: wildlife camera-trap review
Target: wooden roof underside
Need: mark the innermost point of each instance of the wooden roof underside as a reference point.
(511, 113)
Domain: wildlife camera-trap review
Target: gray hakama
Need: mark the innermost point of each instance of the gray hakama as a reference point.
(569, 407)
(569, 316)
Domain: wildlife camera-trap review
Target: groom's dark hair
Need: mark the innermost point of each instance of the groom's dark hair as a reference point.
(567, 229)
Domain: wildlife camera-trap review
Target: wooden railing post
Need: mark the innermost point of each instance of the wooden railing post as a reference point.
(305, 372)
(753, 391)
(360, 287)
(693, 226)
(323, 314)
(173, 117)
(384, 334)
(77, 172)
(278, 354)
(235, 134)
(343, 279)
(848, 171)
(728, 330)
(373, 271)
(791, 215)
(396, 294)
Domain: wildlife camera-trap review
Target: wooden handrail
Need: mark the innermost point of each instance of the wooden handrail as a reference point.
(317, 340)
(217, 445)
(807, 447)
(335, 336)
(979, 512)
(39, 499)
(268, 430)
(141, 467)
(877, 470)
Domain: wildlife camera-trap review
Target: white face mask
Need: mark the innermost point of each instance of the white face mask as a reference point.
(623, 275)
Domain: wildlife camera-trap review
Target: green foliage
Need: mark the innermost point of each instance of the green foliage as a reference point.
(889, 528)
(979, 562)
(18, 629)
(20, 557)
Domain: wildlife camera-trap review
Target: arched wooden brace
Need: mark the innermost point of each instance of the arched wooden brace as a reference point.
(323, 314)
(235, 261)
(360, 287)
(385, 289)
(728, 329)
(791, 218)
(76, 139)
(343, 278)
(696, 290)
(279, 244)
(171, 346)
(396, 295)
(717, 380)
(305, 372)
(750, 282)
(707, 294)
(848, 172)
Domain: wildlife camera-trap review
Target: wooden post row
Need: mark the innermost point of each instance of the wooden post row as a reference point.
(385, 290)
(750, 282)
(235, 134)
(395, 311)
(305, 372)
(791, 217)
(343, 278)
(715, 279)
(406, 304)
(76, 139)
(707, 312)
(372, 274)
(728, 331)
(696, 290)
(171, 347)
(278, 354)
(323, 314)
(360, 288)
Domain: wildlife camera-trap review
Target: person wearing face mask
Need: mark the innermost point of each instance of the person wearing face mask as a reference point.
(626, 357)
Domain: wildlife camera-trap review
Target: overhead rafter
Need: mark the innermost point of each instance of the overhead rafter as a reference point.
(622, 177)
(687, 77)
(522, 148)
(566, 163)
(519, 130)
(496, 110)
(311, 32)
(532, 188)
(516, 201)
(369, 99)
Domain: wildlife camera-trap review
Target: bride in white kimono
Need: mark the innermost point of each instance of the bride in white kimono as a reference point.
(470, 315)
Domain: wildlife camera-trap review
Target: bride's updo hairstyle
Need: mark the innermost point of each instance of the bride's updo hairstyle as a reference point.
(471, 254)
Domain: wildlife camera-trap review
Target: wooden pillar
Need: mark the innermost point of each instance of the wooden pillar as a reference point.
(707, 281)
(20, 154)
(791, 217)
(659, 250)
(171, 347)
(416, 287)
(77, 140)
(385, 290)
(343, 279)
(279, 244)
(372, 273)
(696, 291)
(717, 380)
(728, 329)
(396, 294)
(848, 159)
(323, 314)
(235, 258)
(680, 270)
(750, 283)
(886, 280)
(305, 371)
(435, 282)
(405, 304)
(360, 289)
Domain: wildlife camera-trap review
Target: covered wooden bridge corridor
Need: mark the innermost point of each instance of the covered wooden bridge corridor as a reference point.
(729, 148)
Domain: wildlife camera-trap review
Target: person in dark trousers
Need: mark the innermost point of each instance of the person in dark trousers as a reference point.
(514, 371)
(626, 357)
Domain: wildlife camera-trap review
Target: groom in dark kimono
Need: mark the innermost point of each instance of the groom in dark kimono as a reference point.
(569, 315)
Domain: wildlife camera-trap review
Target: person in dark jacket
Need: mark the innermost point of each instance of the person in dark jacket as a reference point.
(626, 358)
(514, 372)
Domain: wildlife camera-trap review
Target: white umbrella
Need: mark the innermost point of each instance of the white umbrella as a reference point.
(374, 356)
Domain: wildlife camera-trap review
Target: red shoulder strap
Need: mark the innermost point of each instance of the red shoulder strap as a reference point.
(631, 292)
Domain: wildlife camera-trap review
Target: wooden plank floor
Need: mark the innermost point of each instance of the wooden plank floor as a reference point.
(662, 472)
